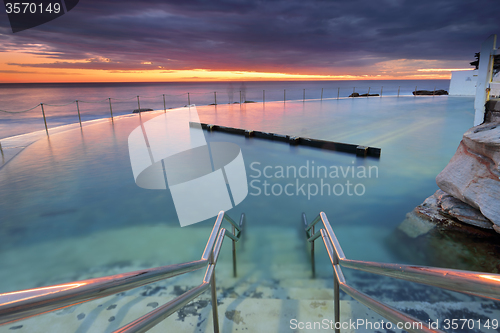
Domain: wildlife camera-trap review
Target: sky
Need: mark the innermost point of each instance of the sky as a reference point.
(188, 40)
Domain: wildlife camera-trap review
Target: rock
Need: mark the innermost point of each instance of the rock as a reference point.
(473, 174)
(443, 211)
(462, 211)
(362, 95)
(413, 226)
(432, 236)
(141, 110)
(492, 111)
(430, 92)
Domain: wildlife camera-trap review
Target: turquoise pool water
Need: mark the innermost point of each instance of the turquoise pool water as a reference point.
(69, 203)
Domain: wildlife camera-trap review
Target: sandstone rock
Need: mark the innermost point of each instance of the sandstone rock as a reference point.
(414, 226)
(473, 174)
(462, 211)
(438, 211)
(431, 236)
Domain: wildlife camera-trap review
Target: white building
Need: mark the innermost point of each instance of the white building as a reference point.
(463, 83)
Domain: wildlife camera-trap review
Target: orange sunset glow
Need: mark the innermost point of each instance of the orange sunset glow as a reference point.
(401, 69)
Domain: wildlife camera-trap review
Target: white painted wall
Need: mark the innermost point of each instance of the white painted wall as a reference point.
(463, 83)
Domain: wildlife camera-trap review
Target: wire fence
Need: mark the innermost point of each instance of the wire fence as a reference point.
(140, 104)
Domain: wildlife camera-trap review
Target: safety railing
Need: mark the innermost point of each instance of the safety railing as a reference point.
(23, 304)
(473, 283)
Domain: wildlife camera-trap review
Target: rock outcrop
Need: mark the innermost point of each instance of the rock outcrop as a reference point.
(439, 233)
(142, 110)
(430, 92)
(473, 174)
(355, 94)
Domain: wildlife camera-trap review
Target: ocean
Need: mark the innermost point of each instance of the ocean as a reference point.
(21, 112)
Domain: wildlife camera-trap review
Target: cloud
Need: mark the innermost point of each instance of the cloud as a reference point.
(292, 36)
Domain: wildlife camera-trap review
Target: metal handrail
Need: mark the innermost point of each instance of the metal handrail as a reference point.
(473, 283)
(23, 304)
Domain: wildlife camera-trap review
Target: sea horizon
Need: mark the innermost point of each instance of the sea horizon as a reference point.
(21, 112)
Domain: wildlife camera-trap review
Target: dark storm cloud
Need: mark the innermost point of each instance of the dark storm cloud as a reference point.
(277, 36)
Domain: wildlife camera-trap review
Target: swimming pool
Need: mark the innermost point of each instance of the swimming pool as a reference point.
(70, 208)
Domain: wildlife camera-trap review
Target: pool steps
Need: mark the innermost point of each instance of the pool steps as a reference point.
(259, 300)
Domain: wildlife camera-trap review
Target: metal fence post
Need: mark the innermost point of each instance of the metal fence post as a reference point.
(215, 97)
(139, 104)
(189, 100)
(164, 105)
(215, 312)
(368, 91)
(338, 93)
(304, 97)
(321, 93)
(336, 293)
(263, 96)
(78, 109)
(336, 303)
(111, 109)
(398, 90)
(284, 95)
(234, 254)
(44, 120)
(381, 90)
(313, 262)
(240, 97)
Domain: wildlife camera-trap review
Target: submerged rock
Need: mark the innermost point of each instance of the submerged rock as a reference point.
(432, 234)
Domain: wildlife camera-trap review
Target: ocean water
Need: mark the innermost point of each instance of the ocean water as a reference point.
(60, 107)
(67, 200)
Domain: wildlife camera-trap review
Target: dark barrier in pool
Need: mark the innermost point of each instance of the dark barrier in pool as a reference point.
(361, 151)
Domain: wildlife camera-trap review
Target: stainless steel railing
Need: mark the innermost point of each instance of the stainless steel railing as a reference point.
(473, 283)
(22, 304)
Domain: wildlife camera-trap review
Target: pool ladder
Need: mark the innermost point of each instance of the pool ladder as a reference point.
(22, 304)
(473, 283)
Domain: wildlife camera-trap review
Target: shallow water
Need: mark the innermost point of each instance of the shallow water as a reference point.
(64, 192)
